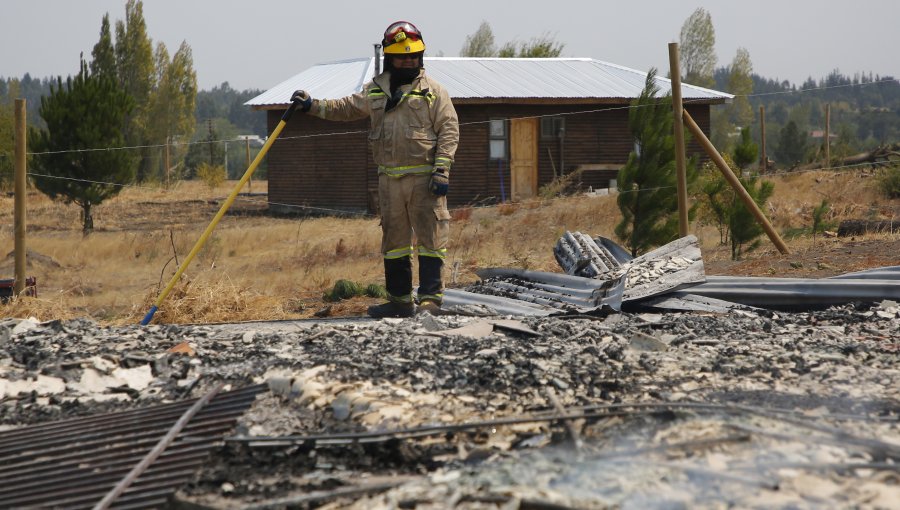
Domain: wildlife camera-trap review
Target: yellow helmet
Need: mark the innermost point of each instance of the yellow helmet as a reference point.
(402, 37)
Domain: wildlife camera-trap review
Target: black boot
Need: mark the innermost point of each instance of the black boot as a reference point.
(431, 289)
(398, 283)
(398, 279)
(392, 309)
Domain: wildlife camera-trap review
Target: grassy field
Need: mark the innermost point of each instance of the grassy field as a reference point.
(259, 267)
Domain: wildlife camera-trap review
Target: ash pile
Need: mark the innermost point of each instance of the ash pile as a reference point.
(572, 405)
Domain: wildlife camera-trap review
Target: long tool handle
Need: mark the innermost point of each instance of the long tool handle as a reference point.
(215, 221)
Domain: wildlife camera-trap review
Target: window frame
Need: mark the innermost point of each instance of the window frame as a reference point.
(554, 123)
(494, 137)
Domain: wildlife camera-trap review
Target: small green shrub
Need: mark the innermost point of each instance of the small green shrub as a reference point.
(212, 175)
(346, 289)
(343, 289)
(889, 182)
(376, 291)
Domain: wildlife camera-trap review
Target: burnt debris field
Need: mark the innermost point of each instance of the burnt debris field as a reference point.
(751, 408)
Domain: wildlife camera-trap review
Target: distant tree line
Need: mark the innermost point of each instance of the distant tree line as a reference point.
(865, 113)
(865, 108)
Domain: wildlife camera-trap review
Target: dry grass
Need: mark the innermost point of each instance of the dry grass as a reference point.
(256, 267)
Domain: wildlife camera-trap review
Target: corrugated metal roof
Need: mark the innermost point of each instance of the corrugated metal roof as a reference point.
(490, 78)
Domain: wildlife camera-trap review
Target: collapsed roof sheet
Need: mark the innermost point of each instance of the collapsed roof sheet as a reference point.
(668, 278)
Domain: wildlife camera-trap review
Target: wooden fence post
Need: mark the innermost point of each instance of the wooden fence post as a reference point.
(249, 181)
(680, 165)
(19, 205)
(764, 158)
(827, 136)
(167, 163)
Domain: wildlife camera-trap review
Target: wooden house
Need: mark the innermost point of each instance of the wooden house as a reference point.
(523, 122)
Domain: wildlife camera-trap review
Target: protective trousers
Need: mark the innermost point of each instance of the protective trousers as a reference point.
(409, 209)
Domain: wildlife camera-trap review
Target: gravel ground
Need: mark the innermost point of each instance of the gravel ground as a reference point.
(746, 410)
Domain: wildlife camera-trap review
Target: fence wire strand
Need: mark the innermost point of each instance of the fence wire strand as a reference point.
(462, 124)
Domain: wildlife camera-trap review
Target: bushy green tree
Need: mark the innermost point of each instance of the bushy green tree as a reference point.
(135, 69)
(172, 101)
(647, 183)
(481, 43)
(164, 90)
(740, 83)
(538, 47)
(89, 112)
(697, 48)
(7, 143)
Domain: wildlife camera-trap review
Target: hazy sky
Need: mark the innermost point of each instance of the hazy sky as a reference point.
(257, 44)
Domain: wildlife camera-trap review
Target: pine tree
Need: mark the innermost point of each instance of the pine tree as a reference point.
(746, 151)
(89, 112)
(716, 198)
(103, 56)
(742, 224)
(791, 148)
(648, 199)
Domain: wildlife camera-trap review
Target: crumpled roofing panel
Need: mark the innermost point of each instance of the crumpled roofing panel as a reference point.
(668, 278)
(537, 293)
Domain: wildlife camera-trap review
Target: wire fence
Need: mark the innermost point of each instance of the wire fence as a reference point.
(325, 210)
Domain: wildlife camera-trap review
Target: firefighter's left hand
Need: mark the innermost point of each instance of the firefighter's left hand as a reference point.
(440, 181)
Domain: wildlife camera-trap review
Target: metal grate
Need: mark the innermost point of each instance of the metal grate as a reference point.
(75, 463)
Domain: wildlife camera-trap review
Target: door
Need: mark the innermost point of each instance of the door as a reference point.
(523, 158)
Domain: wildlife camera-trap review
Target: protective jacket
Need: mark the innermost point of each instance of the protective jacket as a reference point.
(411, 131)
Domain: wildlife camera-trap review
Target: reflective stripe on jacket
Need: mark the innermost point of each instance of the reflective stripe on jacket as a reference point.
(419, 130)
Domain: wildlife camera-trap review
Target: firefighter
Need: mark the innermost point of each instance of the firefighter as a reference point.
(414, 133)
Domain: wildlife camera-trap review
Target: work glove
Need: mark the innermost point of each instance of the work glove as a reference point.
(302, 98)
(440, 181)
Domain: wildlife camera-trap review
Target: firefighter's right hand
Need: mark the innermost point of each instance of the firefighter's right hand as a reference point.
(301, 97)
(440, 181)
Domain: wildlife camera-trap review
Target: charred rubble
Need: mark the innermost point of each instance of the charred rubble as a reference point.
(629, 383)
(754, 408)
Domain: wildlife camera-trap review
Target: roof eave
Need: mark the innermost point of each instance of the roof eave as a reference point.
(539, 101)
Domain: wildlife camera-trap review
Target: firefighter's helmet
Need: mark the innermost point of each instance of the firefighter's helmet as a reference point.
(402, 37)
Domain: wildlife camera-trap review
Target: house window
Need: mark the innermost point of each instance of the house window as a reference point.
(498, 139)
(552, 127)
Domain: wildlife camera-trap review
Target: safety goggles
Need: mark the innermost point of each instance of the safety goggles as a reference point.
(401, 31)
